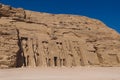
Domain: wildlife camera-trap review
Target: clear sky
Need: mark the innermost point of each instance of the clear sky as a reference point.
(107, 11)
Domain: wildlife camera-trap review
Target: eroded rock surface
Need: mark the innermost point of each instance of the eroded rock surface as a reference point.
(33, 39)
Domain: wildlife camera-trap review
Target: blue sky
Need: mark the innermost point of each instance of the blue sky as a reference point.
(107, 11)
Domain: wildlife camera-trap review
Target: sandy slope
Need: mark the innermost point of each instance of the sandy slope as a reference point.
(83, 73)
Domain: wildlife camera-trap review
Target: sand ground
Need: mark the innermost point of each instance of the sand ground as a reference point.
(79, 73)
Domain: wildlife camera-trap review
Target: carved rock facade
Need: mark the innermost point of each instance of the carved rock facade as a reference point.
(33, 39)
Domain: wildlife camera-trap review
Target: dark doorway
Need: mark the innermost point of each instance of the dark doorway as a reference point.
(64, 62)
(81, 62)
(49, 62)
(60, 62)
(55, 61)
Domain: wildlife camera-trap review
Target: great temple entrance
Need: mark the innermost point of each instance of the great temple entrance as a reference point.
(40, 52)
(55, 61)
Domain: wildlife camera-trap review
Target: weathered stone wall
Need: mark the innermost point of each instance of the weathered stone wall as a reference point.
(33, 39)
(8, 46)
(68, 51)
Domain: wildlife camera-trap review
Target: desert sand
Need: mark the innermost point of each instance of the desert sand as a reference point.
(79, 73)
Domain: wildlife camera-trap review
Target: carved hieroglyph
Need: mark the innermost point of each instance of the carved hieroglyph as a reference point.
(33, 39)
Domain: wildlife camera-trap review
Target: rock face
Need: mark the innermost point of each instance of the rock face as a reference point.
(8, 45)
(33, 39)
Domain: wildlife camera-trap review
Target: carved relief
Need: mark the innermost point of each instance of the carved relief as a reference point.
(29, 51)
(57, 53)
(24, 43)
(46, 52)
(60, 53)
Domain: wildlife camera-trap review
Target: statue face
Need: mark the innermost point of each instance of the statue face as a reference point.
(24, 43)
(59, 45)
(35, 47)
(45, 44)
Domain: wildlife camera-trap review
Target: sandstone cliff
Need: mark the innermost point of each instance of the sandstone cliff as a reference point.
(36, 39)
